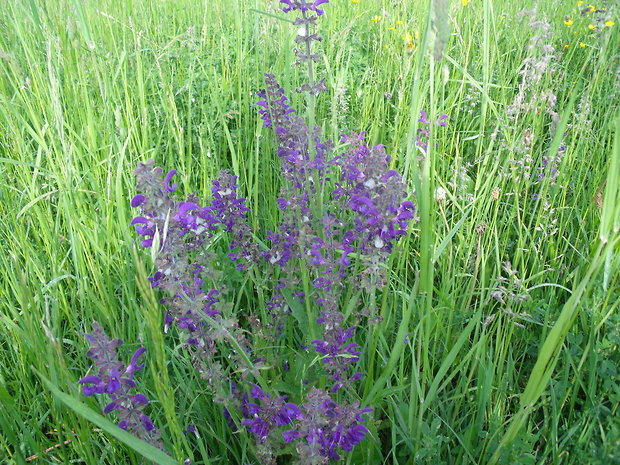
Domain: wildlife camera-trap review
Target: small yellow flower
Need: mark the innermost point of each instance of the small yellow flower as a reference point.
(375, 19)
(591, 8)
(391, 28)
(399, 22)
(609, 23)
(464, 2)
(408, 38)
(592, 27)
(581, 44)
(566, 45)
(568, 22)
(355, 1)
(580, 2)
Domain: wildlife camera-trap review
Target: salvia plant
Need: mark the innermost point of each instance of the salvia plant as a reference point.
(116, 380)
(343, 210)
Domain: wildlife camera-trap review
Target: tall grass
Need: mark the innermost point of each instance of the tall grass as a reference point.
(474, 360)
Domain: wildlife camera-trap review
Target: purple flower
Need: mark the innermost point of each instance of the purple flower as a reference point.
(192, 429)
(138, 200)
(442, 121)
(145, 228)
(290, 435)
(168, 178)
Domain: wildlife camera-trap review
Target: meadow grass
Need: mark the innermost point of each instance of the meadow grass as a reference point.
(499, 335)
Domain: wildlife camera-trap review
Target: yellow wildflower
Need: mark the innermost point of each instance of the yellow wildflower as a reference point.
(464, 2)
(356, 1)
(591, 8)
(391, 28)
(566, 45)
(374, 19)
(568, 22)
(408, 38)
(609, 23)
(581, 44)
(399, 22)
(580, 2)
(592, 27)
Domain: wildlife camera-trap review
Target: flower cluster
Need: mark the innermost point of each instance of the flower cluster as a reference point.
(305, 37)
(267, 413)
(320, 428)
(117, 380)
(303, 6)
(185, 267)
(361, 215)
(325, 428)
(533, 97)
(300, 151)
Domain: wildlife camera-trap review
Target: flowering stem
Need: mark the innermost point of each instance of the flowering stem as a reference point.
(235, 345)
(311, 96)
(305, 279)
(311, 109)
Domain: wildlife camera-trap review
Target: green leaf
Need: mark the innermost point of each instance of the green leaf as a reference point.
(141, 447)
(297, 309)
(446, 240)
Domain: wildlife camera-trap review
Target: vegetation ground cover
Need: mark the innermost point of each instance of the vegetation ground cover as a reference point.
(495, 338)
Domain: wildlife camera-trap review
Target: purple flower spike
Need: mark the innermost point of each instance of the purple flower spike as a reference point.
(291, 5)
(116, 380)
(192, 429)
(257, 392)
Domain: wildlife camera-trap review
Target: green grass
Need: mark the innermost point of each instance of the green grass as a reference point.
(88, 89)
